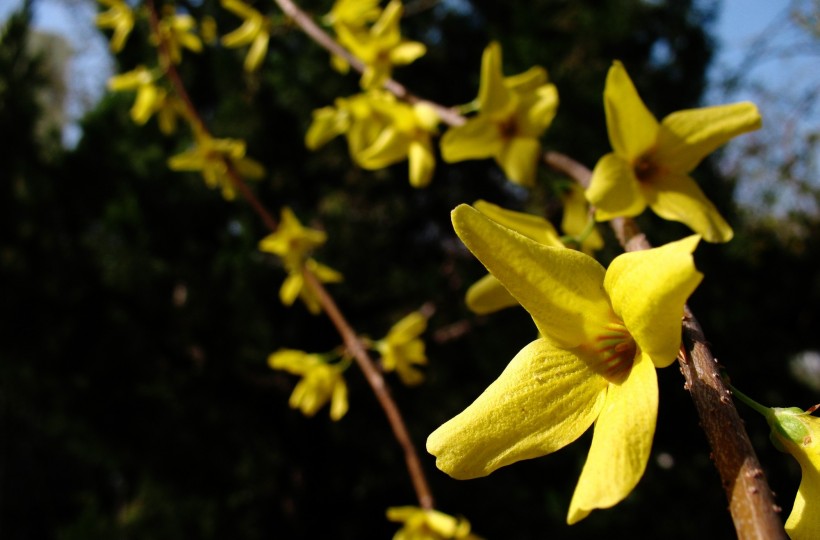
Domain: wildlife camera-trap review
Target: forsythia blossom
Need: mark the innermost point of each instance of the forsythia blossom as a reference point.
(254, 31)
(513, 112)
(421, 524)
(576, 219)
(321, 382)
(151, 99)
(118, 17)
(604, 333)
(212, 158)
(798, 433)
(380, 131)
(177, 32)
(651, 161)
(402, 350)
(293, 243)
(380, 47)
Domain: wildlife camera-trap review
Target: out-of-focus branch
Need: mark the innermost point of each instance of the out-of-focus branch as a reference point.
(352, 342)
(751, 501)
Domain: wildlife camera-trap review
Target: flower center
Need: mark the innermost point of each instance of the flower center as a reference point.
(645, 168)
(616, 350)
(508, 128)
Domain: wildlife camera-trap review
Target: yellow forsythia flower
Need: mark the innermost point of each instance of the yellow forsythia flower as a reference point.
(321, 382)
(798, 433)
(212, 158)
(651, 161)
(254, 31)
(294, 243)
(513, 113)
(380, 131)
(118, 17)
(151, 99)
(354, 14)
(604, 333)
(381, 46)
(402, 349)
(177, 31)
(421, 524)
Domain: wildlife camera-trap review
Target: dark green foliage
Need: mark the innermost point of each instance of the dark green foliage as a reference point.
(137, 312)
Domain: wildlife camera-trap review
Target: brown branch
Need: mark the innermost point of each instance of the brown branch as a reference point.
(351, 340)
(751, 501)
(376, 381)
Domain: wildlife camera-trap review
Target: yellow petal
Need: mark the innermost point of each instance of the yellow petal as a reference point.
(478, 138)
(390, 147)
(409, 327)
(540, 110)
(338, 400)
(493, 94)
(632, 129)
(407, 53)
(488, 295)
(528, 81)
(614, 190)
(804, 520)
(328, 122)
(532, 226)
(561, 288)
(621, 442)
(291, 288)
(292, 361)
(677, 197)
(422, 163)
(256, 54)
(648, 290)
(576, 216)
(686, 137)
(519, 160)
(545, 399)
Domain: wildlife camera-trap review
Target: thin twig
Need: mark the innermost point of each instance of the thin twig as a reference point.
(351, 340)
(380, 388)
(751, 501)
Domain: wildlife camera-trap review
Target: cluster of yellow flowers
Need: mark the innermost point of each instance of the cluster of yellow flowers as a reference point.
(602, 333)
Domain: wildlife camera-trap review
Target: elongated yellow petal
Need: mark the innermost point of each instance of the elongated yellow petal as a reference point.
(538, 111)
(291, 287)
(256, 54)
(804, 520)
(632, 129)
(478, 138)
(532, 226)
(409, 327)
(407, 53)
(677, 197)
(528, 81)
(519, 160)
(328, 122)
(493, 94)
(576, 217)
(488, 295)
(686, 137)
(561, 288)
(422, 163)
(614, 190)
(338, 400)
(621, 442)
(648, 290)
(545, 399)
(390, 147)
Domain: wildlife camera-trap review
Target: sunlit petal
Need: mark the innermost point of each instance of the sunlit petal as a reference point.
(614, 190)
(621, 442)
(632, 128)
(686, 137)
(488, 295)
(648, 290)
(545, 399)
(677, 197)
(561, 288)
(519, 159)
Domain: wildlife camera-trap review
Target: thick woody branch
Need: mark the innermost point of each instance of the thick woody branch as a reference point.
(751, 501)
